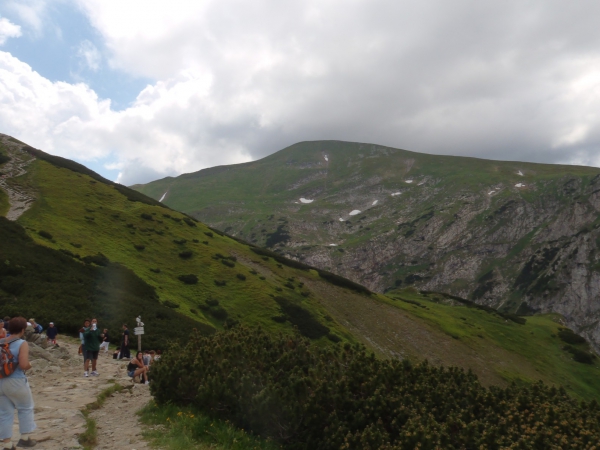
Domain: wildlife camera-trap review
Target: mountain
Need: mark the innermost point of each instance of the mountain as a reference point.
(520, 237)
(78, 245)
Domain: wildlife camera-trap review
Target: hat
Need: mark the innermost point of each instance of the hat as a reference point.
(51, 323)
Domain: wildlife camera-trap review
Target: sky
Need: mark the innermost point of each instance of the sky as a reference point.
(139, 90)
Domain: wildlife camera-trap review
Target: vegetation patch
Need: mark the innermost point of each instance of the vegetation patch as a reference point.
(307, 324)
(344, 397)
(45, 234)
(187, 254)
(188, 279)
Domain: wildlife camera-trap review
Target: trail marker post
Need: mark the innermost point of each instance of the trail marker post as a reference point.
(138, 331)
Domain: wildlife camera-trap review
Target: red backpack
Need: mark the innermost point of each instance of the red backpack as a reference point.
(7, 363)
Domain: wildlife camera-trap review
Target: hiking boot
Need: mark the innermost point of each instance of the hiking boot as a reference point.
(94, 373)
(26, 443)
(85, 374)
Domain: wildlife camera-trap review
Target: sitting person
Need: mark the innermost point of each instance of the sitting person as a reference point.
(136, 368)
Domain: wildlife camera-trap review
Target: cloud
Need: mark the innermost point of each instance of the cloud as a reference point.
(237, 80)
(90, 55)
(31, 12)
(8, 30)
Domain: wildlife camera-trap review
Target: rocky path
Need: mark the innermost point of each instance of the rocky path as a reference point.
(20, 199)
(60, 392)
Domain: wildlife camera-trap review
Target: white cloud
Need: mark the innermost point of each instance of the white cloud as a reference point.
(90, 55)
(238, 80)
(8, 30)
(31, 12)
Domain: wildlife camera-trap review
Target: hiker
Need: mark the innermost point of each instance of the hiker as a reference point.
(125, 343)
(91, 348)
(37, 328)
(105, 340)
(14, 389)
(136, 367)
(2, 329)
(51, 333)
(86, 325)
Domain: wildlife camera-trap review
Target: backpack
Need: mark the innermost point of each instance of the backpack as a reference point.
(8, 365)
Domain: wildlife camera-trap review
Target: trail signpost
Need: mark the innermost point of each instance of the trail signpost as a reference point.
(138, 331)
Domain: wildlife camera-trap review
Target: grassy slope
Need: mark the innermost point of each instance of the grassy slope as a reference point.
(4, 206)
(106, 222)
(506, 352)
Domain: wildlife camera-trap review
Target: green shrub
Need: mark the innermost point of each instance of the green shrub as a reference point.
(195, 241)
(310, 397)
(203, 307)
(241, 277)
(4, 158)
(180, 241)
(98, 259)
(253, 272)
(570, 337)
(307, 324)
(45, 234)
(279, 319)
(170, 304)
(220, 283)
(189, 221)
(146, 216)
(70, 253)
(187, 254)
(209, 234)
(156, 270)
(580, 355)
(228, 263)
(211, 302)
(193, 311)
(139, 246)
(289, 285)
(334, 338)
(304, 293)
(188, 279)
(205, 242)
(75, 245)
(218, 313)
(262, 278)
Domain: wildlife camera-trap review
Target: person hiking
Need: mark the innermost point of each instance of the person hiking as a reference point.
(3, 329)
(136, 367)
(51, 333)
(91, 348)
(14, 390)
(37, 328)
(105, 340)
(86, 325)
(125, 343)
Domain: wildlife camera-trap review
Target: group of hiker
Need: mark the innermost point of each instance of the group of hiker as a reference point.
(15, 393)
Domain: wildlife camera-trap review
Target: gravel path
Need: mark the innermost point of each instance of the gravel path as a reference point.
(20, 199)
(60, 392)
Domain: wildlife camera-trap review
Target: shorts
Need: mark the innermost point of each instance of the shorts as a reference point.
(88, 354)
(131, 373)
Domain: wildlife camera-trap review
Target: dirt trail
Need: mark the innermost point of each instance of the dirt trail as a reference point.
(20, 198)
(60, 392)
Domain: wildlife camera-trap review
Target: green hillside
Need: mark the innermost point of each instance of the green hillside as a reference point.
(520, 237)
(119, 247)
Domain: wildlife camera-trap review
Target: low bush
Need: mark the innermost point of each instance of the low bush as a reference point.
(279, 319)
(209, 234)
(262, 278)
(228, 263)
(76, 245)
(146, 216)
(195, 241)
(193, 311)
(212, 302)
(579, 355)
(139, 246)
(289, 285)
(205, 242)
(156, 270)
(187, 254)
(45, 234)
(70, 253)
(218, 313)
(343, 282)
(254, 272)
(241, 277)
(334, 338)
(304, 396)
(203, 307)
(220, 283)
(180, 241)
(170, 304)
(570, 337)
(304, 293)
(307, 324)
(98, 259)
(188, 279)
(189, 221)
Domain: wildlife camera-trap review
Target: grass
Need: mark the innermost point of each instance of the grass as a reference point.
(89, 438)
(174, 428)
(535, 348)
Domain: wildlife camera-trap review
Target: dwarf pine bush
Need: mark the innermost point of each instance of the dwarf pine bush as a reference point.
(341, 396)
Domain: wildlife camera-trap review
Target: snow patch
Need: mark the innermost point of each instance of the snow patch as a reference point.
(491, 192)
(374, 203)
(333, 245)
(396, 193)
(341, 220)
(408, 181)
(421, 183)
(163, 197)
(326, 158)
(306, 200)
(520, 173)
(519, 185)
(354, 212)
